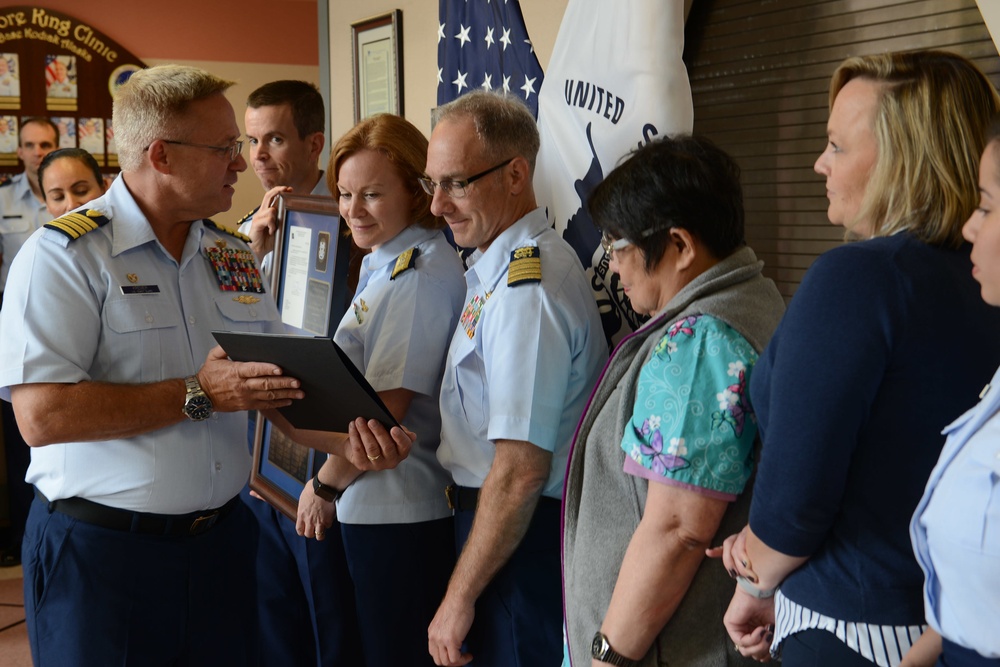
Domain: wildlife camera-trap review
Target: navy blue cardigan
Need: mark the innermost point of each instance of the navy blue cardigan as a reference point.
(884, 344)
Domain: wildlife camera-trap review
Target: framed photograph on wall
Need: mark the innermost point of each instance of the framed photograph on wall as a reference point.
(309, 283)
(378, 65)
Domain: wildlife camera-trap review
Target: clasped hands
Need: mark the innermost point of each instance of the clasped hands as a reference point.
(749, 620)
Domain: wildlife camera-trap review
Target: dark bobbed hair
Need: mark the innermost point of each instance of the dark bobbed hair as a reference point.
(308, 112)
(77, 154)
(682, 181)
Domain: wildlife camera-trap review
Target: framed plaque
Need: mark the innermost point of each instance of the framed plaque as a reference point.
(311, 256)
(309, 283)
(378, 65)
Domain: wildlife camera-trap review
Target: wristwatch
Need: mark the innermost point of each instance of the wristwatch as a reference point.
(750, 589)
(323, 491)
(197, 404)
(601, 650)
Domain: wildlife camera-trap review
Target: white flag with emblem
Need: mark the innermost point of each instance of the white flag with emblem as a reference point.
(616, 80)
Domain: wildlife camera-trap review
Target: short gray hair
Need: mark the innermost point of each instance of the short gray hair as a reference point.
(503, 124)
(147, 105)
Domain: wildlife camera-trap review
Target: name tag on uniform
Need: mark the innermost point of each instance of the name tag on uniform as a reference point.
(140, 289)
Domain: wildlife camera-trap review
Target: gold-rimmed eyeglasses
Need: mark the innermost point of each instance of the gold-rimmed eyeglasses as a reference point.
(232, 151)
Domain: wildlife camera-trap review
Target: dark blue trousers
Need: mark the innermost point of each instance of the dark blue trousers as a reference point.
(959, 656)
(305, 597)
(400, 574)
(519, 615)
(96, 597)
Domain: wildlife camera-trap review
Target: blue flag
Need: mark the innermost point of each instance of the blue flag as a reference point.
(484, 44)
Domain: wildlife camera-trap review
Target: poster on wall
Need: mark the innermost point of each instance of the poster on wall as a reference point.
(63, 68)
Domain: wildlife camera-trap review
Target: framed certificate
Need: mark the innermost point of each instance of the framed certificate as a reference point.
(309, 282)
(311, 256)
(378, 65)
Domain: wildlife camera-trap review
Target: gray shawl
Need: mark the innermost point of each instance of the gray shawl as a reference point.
(603, 504)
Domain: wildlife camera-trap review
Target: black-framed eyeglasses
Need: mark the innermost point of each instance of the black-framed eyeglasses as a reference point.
(456, 188)
(232, 151)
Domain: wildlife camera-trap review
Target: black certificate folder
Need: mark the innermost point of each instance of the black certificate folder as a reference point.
(336, 391)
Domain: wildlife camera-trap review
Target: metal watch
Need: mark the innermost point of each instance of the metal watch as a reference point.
(601, 650)
(324, 491)
(197, 404)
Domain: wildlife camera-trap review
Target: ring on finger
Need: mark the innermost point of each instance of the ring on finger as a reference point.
(375, 458)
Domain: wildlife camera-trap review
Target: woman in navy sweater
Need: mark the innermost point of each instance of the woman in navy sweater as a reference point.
(885, 342)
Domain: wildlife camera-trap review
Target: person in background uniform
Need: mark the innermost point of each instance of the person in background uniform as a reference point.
(954, 530)
(68, 179)
(304, 591)
(22, 211)
(137, 549)
(526, 352)
(397, 528)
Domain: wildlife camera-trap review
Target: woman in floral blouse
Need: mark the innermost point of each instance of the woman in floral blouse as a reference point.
(664, 451)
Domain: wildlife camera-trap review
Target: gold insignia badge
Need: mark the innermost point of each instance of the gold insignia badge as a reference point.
(132, 278)
(220, 244)
(525, 266)
(246, 299)
(405, 261)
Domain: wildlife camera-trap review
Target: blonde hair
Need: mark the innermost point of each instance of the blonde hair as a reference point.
(148, 104)
(402, 144)
(930, 123)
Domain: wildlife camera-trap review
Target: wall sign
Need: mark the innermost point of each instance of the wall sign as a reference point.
(60, 67)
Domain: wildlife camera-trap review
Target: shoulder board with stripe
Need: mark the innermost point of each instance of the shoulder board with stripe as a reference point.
(525, 266)
(247, 216)
(227, 230)
(76, 224)
(405, 261)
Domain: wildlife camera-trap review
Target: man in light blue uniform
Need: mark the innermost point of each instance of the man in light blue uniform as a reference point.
(22, 211)
(526, 353)
(304, 591)
(137, 549)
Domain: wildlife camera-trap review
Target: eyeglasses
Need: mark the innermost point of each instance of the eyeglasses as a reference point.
(456, 188)
(232, 151)
(611, 246)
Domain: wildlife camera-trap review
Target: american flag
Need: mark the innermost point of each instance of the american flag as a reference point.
(484, 44)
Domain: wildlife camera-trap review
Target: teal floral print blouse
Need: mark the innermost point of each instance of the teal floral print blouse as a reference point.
(692, 423)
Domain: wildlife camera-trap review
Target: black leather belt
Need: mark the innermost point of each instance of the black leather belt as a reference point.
(170, 525)
(461, 498)
(465, 498)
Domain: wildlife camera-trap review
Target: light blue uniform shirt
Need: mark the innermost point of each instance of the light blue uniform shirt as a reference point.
(67, 318)
(20, 215)
(396, 332)
(956, 531)
(523, 368)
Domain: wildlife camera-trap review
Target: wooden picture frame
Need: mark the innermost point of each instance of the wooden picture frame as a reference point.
(377, 57)
(309, 277)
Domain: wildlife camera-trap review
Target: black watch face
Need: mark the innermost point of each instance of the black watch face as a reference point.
(597, 647)
(199, 408)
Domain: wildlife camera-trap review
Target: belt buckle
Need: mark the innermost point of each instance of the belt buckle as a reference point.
(203, 523)
(451, 493)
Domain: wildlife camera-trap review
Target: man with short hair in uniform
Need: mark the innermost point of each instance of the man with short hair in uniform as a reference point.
(22, 211)
(137, 549)
(305, 594)
(527, 351)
